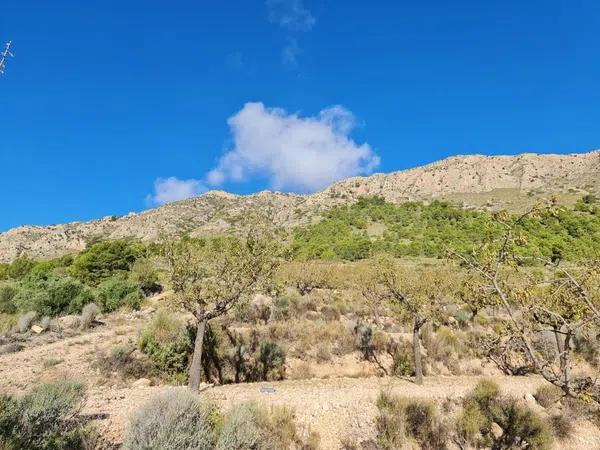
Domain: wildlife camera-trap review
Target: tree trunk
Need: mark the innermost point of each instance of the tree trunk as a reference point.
(565, 363)
(376, 314)
(474, 318)
(417, 352)
(196, 366)
(559, 343)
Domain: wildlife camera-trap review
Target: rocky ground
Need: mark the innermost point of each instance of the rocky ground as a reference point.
(336, 408)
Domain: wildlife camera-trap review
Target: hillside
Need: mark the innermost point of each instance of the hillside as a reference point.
(510, 182)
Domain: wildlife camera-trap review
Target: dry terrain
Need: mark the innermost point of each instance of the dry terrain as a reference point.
(337, 408)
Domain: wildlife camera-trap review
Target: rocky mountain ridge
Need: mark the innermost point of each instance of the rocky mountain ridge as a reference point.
(478, 181)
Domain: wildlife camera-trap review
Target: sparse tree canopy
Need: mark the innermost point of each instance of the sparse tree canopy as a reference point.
(210, 277)
(563, 301)
(416, 295)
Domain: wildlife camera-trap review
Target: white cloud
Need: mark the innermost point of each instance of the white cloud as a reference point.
(294, 153)
(290, 14)
(289, 55)
(172, 189)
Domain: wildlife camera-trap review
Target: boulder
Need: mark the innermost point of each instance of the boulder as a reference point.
(530, 399)
(496, 430)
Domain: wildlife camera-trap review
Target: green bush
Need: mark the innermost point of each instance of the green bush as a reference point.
(52, 296)
(562, 426)
(144, 274)
(272, 360)
(400, 418)
(20, 267)
(417, 229)
(7, 323)
(43, 419)
(169, 344)
(521, 427)
(174, 420)
(120, 360)
(104, 260)
(117, 292)
(8, 291)
(249, 426)
(547, 395)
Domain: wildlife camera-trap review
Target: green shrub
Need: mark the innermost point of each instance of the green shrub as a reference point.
(242, 428)
(424, 425)
(145, 275)
(445, 346)
(272, 360)
(8, 291)
(168, 343)
(120, 360)
(117, 292)
(547, 395)
(400, 418)
(7, 323)
(104, 260)
(521, 427)
(174, 420)
(281, 308)
(389, 424)
(403, 361)
(53, 295)
(20, 267)
(562, 427)
(462, 317)
(249, 426)
(43, 419)
(25, 321)
(88, 315)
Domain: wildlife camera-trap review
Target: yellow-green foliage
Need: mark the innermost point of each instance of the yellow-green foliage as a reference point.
(485, 406)
(168, 343)
(250, 426)
(7, 322)
(547, 395)
(400, 418)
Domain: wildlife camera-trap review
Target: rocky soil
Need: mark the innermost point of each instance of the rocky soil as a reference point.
(337, 408)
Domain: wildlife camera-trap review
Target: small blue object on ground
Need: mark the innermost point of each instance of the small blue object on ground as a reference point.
(267, 390)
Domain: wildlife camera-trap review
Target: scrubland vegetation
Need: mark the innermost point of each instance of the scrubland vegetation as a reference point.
(396, 291)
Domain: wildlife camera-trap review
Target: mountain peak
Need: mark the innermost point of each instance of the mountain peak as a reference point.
(510, 182)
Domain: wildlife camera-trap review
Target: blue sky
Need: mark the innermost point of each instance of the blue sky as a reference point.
(110, 107)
